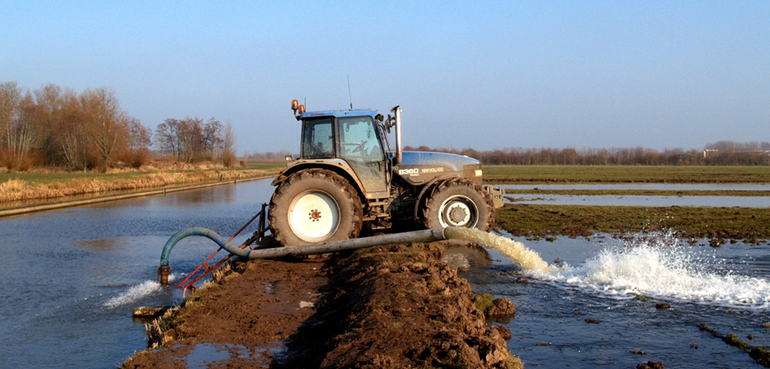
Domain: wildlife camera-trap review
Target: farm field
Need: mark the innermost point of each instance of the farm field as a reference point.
(535, 221)
(515, 174)
(56, 186)
(627, 192)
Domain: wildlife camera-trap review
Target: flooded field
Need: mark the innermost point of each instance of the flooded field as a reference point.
(617, 304)
(72, 277)
(680, 199)
(647, 186)
(630, 200)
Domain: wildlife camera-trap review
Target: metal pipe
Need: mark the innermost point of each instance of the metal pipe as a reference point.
(399, 150)
(426, 235)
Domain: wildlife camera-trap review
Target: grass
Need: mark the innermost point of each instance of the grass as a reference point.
(578, 220)
(639, 192)
(57, 185)
(44, 177)
(625, 174)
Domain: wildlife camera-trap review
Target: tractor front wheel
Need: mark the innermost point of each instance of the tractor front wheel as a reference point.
(458, 203)
(313, 206)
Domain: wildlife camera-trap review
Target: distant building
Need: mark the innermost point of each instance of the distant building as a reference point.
(715, 152)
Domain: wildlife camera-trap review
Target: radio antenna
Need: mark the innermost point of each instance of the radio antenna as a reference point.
(350, 96)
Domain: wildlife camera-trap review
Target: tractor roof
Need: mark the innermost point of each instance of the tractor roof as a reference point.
(340, 113)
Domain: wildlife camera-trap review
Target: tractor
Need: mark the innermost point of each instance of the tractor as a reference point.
(348, 178)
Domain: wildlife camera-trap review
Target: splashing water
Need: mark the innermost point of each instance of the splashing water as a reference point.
(514, 250)
(653, 265)
(659, 267)
(136, 293)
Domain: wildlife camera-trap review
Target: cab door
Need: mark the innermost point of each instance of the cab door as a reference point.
(359, 145)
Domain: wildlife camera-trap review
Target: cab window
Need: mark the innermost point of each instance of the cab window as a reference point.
(358, 140)
(318, 139)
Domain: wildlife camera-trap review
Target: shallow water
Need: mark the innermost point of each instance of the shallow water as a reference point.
(646, 186)
(634, 200)
(618, 285)
(72, 277)
(643, 200)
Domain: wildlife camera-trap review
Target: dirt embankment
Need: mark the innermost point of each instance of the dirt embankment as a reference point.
(393, 307)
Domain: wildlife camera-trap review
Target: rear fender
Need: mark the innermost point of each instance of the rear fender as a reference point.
(338, 166)
(428, 186)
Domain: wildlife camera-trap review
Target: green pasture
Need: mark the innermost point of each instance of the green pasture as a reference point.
(579, 220)
(518, 174)
(65, 176)
(639, 192)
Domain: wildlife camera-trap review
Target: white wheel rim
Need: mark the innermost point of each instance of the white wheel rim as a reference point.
(458, 211)
(314, 216)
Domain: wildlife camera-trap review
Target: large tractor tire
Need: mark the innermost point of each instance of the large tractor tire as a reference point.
(313, 206)
(458, 203)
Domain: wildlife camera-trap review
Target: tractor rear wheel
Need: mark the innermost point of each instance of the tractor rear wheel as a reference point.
(313, 206)
(458, 203)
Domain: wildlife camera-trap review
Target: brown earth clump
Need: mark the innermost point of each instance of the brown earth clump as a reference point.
(250, 312)
(395, 307)
(501, 309)
(651, 365)
(400, 307)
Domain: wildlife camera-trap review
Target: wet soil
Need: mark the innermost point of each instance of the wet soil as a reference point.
(250, 312)
(391, 306)
(718, 224)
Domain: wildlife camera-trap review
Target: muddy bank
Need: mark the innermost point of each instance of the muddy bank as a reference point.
(396, 306)
(718, 224)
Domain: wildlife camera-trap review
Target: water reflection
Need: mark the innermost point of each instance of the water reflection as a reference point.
(466, 256)
(646, 186)
(633, 200)
(61, 268)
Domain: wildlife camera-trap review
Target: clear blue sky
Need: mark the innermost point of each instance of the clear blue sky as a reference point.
(487, 75)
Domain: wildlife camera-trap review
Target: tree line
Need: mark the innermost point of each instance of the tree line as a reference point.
(192, 140)
(54, 126)
(719, 153)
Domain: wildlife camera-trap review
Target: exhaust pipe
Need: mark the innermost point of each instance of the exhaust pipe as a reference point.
(399, 151)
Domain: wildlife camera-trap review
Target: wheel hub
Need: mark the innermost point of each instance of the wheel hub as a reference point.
(458, 214)
(458, 211)
(314, 216)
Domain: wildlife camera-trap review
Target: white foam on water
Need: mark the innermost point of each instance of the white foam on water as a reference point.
(136, 293)
(654, 265)
(659, 267)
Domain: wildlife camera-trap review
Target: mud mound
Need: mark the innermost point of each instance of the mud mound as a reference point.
(396, 306)
(249, 313)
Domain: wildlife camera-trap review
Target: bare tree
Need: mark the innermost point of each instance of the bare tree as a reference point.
(136, 149)
(212, 138)
(190, 139)
(70, 133)
(49, 115)
(105, 123)
(228, 146)
(16, 125)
